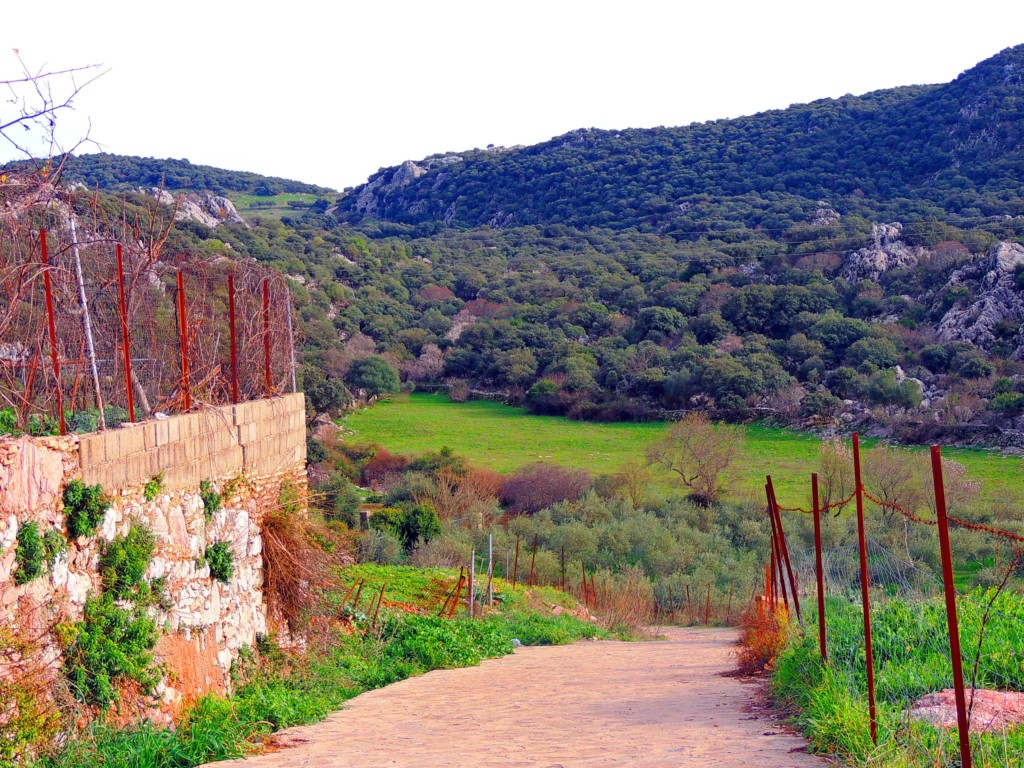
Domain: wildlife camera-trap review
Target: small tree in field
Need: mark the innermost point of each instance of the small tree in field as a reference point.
(696, 452)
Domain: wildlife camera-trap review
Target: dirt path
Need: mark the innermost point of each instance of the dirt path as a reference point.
(588, 705)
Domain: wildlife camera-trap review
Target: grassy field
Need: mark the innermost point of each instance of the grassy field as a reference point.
(504, 438)
(256, 205)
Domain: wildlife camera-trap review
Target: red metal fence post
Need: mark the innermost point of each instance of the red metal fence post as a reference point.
(963, 725)
(52, 327)
(234, 339)
(707, 608)
(266, 333)
(779, 580)
(818, 567)
(183, 337)
(125, 335)
(774, 503)
(864, 587)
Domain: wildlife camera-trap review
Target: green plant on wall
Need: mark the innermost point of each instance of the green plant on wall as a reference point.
(211, 499)
(154, 486)
(221, 559)
(84, 508)
(110, 642)
(29, 554)
(53, 545)
(123, 564)
(116, 637)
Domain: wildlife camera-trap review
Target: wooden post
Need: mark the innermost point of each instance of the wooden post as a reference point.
(707, 608)
(963, 725)
(561, 583)
(533, 559)
(864, 588)
(380, 599)
(818, 567)
(234, 339)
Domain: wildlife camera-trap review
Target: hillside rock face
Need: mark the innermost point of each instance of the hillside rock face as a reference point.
(886, 252)
(372, 194)
(999, 300)
(209, 209)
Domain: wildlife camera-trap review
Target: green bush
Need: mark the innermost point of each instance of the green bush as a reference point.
(211, 499)
(221, 559)
(110, 642)
(84, 508)
(123, 564)
(29, 554)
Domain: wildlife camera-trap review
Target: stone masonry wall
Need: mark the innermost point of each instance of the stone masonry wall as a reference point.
(247, 451)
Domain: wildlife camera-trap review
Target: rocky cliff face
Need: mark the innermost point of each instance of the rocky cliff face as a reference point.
(999, 300)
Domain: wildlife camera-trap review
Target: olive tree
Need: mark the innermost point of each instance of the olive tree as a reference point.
(696, 451)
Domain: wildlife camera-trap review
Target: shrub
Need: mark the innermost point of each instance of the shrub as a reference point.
(84, 508)
(110, 642)
(540, 485)
(764, 636)
(154, 486)
(211, 499)
(383, 468)
(1009, 402)
(221, 559)
(696, 451)
(123, 564)
(29, 553)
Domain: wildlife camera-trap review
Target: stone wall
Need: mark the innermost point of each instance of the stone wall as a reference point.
(246, 451)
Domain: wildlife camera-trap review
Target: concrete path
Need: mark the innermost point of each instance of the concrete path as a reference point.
(588, 705)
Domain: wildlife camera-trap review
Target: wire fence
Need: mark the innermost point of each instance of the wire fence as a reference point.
(931, 656)
(101, 323)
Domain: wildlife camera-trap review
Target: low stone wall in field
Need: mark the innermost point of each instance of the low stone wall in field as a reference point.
(247, 453)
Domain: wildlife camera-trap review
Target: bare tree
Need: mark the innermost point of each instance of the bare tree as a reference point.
(696, 452)
(33, 102)
(835, 472)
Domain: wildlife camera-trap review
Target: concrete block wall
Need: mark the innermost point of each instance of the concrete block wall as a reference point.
(257, 438)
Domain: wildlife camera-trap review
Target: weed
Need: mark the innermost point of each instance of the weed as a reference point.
(54, 544)
(221, 559)
(154, 486)
(764, 636)
(30, 554)
(84, 508)
(211, 499)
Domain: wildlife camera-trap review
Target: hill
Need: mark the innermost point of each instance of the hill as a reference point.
(115, 173)
(935, 151)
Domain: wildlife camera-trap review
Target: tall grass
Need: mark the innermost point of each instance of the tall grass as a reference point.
(911, 658)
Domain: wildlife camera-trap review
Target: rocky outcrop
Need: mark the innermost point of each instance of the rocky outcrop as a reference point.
(209, 209)
(371, 195)
(887, 252)
(999, 300)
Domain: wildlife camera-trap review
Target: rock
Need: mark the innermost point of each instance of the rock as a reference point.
(887, 252)
(516, 643)
(1000, 300)
(992, 710)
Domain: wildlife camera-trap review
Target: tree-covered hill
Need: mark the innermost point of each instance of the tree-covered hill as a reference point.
(111, 173)
(937, 150)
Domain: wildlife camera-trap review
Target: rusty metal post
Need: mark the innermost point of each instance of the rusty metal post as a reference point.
(728, 609)
(183, 337)
(234, 339)
(380, 599)
(126, 344)
(266, 334)
(864, 588)
(707, 608)
(818, 566)
(779, 578)
(458, 594)
(90, 345)
(515, 566)
(291, 338)
(963, 724)
(671, 605)
(774, 502)
(534, 558)
(52, 327)
(472, 582)
(359, 593)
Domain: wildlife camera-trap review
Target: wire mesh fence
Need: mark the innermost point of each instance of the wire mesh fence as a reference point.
(100, 323)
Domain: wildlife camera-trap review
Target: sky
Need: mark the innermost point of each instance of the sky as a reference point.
(330, 93)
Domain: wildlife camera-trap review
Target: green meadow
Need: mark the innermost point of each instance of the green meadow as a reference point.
(505, 438)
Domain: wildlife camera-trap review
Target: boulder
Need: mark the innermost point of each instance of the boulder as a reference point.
(886, 252)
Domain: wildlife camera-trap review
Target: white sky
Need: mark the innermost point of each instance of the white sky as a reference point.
(329, 92)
